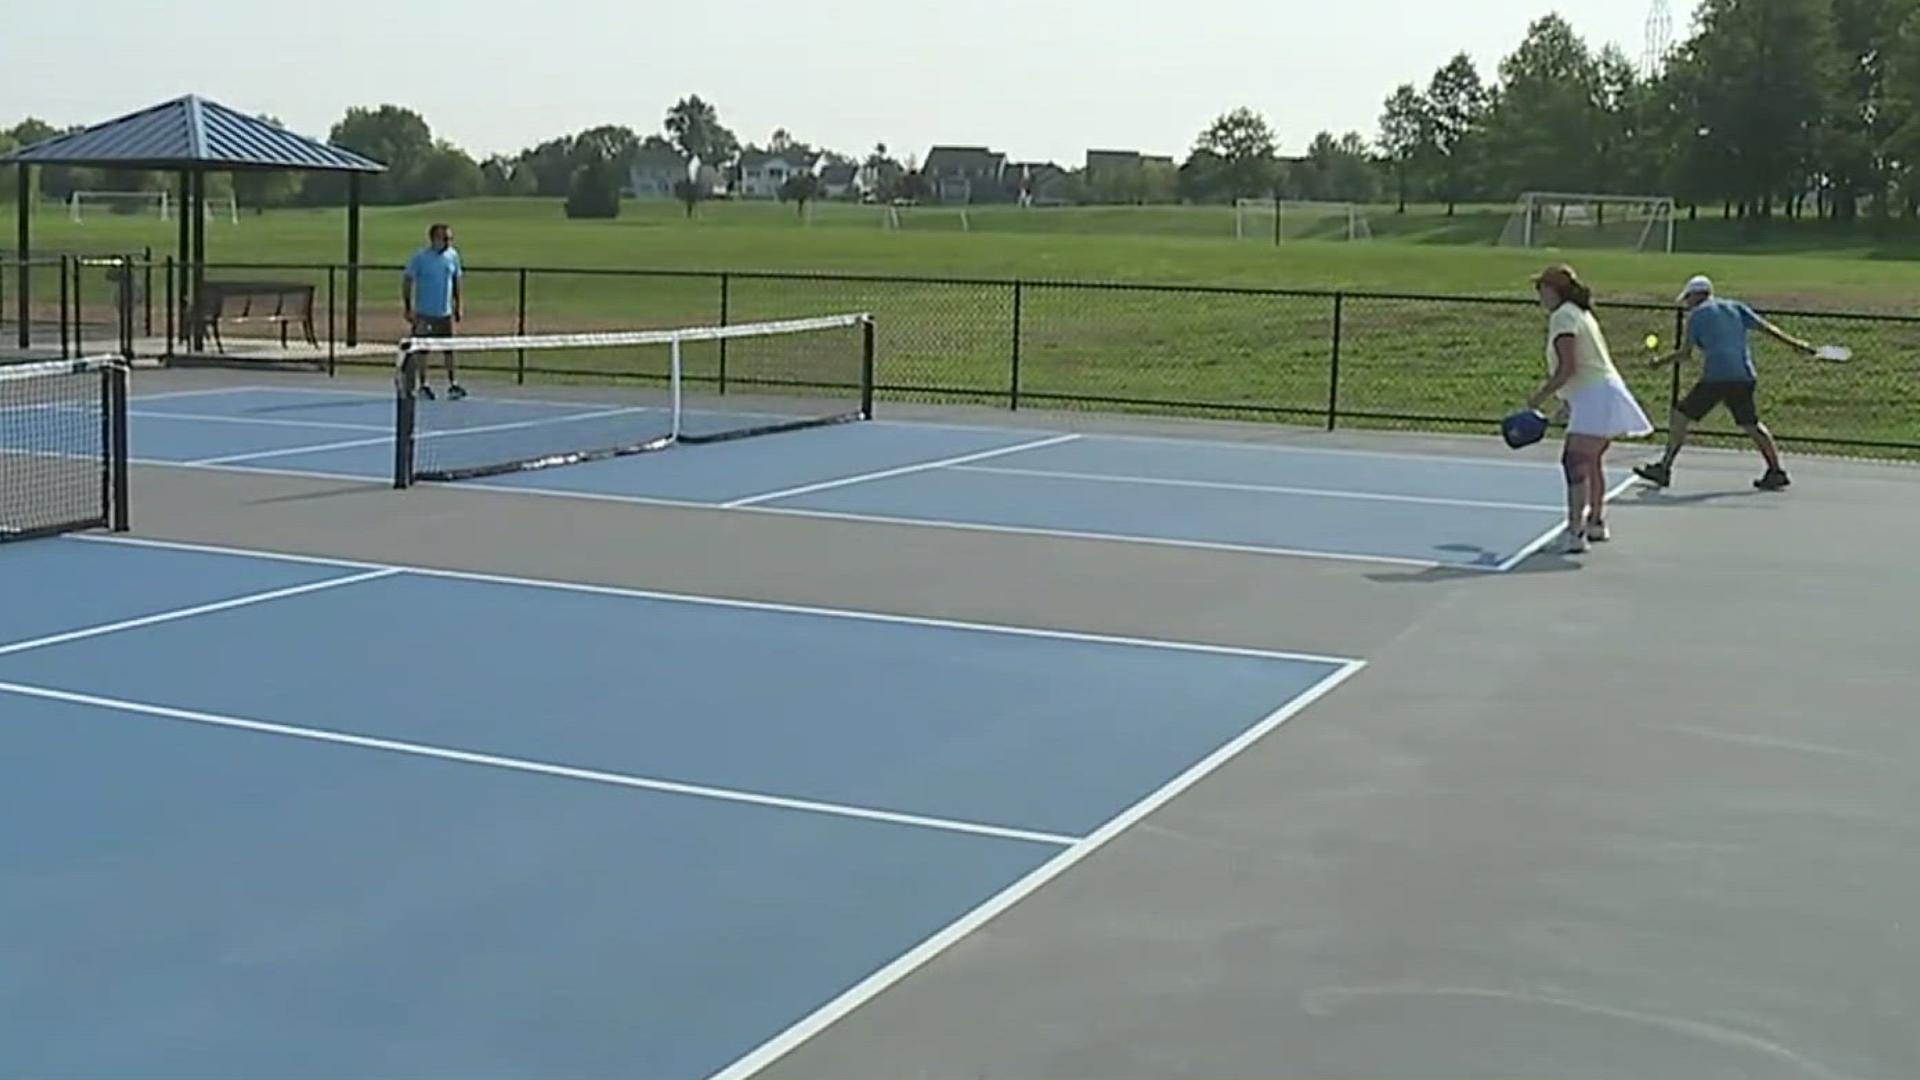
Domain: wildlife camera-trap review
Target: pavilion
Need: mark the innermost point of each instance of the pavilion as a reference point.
(192, 136)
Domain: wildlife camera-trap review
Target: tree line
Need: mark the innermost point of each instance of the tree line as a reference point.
(1768, 108)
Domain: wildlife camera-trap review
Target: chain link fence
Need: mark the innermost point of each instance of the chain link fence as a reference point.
(1327, 359)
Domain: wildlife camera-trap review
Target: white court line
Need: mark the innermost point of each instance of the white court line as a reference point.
(234, 459)
(984, 527)
(904, 470)
(1533, 546)
(1262, 489)
(541, 768)
(878, 982)
(215, 418)
(728, 602)
(196, 610)
(136, 398)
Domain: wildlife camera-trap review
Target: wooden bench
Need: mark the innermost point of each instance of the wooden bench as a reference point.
(282, 302)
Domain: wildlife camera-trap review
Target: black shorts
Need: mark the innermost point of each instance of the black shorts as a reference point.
(433, 326)
(1738, 397)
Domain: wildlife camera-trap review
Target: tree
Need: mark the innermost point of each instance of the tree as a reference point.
(1406, 137)
(1768, 86)
(1457, 104)
(801, 188)
(447, 173)
(883, 174)
(694, 125)
(689, 193)
(1244, 145)
(595, 192)
(1541, 129)
(1858, 144)
(397, 136)
(504, 176)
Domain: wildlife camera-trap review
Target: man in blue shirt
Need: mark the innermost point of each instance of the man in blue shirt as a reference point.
(430, 292)
(1718, 328)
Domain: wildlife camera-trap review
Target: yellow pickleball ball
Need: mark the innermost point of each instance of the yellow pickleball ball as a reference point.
(1653, 341)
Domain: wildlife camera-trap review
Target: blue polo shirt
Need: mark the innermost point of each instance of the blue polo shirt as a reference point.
(1718, 328)
(433, 274)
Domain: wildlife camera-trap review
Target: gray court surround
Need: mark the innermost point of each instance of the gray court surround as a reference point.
(1648, 812)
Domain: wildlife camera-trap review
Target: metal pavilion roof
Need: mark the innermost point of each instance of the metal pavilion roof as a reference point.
(191, 133)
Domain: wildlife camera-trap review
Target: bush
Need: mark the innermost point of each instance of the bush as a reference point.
(594, 191)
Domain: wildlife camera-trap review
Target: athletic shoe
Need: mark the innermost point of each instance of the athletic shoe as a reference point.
(1598, 532)
(1657, 473)
(455, 392)
(1773, 481)
(426, 391)
(1576, 543)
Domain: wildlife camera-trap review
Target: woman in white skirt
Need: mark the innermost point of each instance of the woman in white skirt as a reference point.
(1598, 406)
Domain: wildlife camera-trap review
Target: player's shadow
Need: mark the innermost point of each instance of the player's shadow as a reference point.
(1656, 498)
(1481, 568)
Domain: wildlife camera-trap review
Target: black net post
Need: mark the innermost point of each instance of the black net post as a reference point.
(726, 296)
(403, 418)
(66, 341)
(126, 309)
(867, 341)
(520, 327)
(1013, 366)
(114, 497)
(1333, 363)
(79, 306)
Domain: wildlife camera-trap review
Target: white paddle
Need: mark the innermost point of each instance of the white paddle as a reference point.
(1833, 354)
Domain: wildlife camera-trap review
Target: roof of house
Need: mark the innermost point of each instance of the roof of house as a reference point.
(839, 174)
(753, 158)
(192, 133)
(658, 157)
(963, 159)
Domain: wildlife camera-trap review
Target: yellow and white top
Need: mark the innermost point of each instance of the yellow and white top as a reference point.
(1593, 364)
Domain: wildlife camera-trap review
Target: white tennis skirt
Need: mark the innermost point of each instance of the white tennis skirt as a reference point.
(1607, 411)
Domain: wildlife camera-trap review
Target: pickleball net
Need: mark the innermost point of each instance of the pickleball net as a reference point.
(63, 447)
(537, 401)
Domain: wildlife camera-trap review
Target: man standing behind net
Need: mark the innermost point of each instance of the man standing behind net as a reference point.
(430, 291)
(1718, 328)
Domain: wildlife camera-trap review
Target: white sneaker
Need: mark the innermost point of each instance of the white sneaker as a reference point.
(1576, 543)
(1599, 533)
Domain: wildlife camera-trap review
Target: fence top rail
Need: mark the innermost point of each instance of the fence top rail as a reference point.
(1175, 288)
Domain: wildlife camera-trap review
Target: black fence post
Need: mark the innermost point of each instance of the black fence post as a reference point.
(126, 309)
(117, 457)
(520, 327)
(1013, 372)
(1333, 367)
(332, 349)
(170, 309)
(1679, 332)
(726, 300)
(146, 291)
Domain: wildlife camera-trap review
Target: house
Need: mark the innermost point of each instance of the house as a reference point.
(841, 181)
(1128, 176)
(965, 174)
(654, 173)
(763, 174)
(1041, 183)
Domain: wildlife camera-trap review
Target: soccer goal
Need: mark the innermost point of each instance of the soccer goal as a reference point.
(84, 204)
(1543, 219)
(1281, 220)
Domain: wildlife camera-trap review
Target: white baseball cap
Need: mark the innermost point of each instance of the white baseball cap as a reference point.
(1698, 285)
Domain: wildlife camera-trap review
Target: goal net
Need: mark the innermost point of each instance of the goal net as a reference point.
(1575, 220)
(1281, 220)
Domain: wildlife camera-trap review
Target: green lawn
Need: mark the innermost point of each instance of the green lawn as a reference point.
(1195, 352)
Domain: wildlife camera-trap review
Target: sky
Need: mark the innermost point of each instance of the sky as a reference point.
(1041, 81)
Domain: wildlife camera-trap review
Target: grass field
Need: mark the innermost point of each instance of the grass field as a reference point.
(1184, 351)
